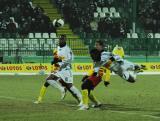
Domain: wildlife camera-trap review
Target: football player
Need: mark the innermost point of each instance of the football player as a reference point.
(61, 76)
(124, 68)
(106, 60)
(91, 80)
(118, 50)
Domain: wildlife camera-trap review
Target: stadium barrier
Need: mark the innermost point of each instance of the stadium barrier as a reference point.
(40, 47)
(77, 68)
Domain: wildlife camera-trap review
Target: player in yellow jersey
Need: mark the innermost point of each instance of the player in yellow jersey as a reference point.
(118, 50)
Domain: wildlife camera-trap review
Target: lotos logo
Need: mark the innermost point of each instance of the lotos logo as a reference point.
(11, 68)
(36, 67)
(39, 67)
(2, 68)
(79, 67)
(153, 67)
(84, 67)
(28, 67)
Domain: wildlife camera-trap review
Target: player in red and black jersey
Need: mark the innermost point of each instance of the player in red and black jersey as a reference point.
(91, 80)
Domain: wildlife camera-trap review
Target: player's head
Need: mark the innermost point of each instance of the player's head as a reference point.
(62, 40)
(99, 45)
(118, 47)
(95, 55)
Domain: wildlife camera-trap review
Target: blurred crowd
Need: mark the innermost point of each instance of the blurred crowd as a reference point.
(149, 15)
(79, 14)
(20, 16)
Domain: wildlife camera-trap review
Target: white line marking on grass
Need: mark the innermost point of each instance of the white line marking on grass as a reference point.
(122, 112)
(152, 116)
(13, 98)
(75, 73)
(143, 115)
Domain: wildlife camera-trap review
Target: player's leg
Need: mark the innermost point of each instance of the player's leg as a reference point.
(129, 76)
(106, 79)
(139, 68)
(127, 71)
(42, 92)
(133, 67)
(53, 80)
(94, 100)
(67, 81)
(76, 93)
(86, 88)
(73, 90)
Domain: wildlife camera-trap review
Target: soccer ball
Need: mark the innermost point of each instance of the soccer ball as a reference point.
(58, 22)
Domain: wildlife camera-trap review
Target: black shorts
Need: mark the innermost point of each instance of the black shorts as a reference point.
(87, 84)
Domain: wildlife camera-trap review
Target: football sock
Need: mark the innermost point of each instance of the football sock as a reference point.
(76, 93)
(85, 97)
(42, 93)
(93, 98)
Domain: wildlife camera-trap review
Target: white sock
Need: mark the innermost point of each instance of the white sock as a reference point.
(76, 92)
(56, 85)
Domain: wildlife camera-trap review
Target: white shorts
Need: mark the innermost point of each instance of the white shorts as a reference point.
(124, 69)
(65, 75)
(127, 65)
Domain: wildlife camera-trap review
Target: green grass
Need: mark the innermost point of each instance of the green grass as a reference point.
(122, 101)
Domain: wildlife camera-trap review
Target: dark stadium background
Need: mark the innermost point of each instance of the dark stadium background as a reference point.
(27, 33)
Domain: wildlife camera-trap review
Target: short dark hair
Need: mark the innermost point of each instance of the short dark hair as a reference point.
(100, 42)
(63, 37)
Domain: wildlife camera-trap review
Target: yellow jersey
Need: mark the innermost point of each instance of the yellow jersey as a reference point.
(118, 51)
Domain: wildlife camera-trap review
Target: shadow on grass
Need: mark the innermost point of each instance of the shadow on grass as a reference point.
(158, 115)
(115, 107)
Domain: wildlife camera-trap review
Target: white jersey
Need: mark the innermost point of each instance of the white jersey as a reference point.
(124, 69)
(104, 57)
(65, 72)
(67, 57)
(123, 65)
(120, 66)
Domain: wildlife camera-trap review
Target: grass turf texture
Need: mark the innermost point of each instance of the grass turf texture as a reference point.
(122, 101)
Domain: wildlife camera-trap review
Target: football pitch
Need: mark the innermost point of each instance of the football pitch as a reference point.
(122, 101)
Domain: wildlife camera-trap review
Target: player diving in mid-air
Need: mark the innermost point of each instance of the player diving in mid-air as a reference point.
(61, 76)
(106, 60)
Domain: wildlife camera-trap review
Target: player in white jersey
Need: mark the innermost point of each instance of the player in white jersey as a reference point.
(61, 77)
(125, 69)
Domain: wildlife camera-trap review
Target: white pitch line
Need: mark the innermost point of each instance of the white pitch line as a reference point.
(156, 117)
(143, 115)
(13, 98)
(122, 112)
(74, 73)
